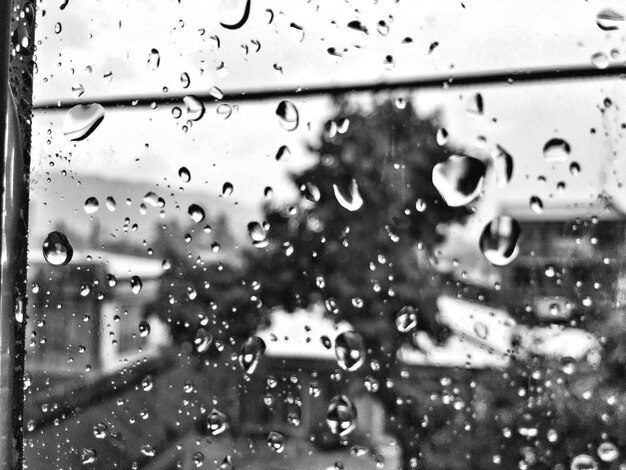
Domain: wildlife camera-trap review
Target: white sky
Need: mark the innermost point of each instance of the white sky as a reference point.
(472, 36)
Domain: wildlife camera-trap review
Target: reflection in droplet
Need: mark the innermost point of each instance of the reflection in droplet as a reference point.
(233, 14)
(287, 115)
(91, 205)
(498, 241)
(154, 59)
(503, 166)
(584, 462)
(556, 150)
(194, 107)
(276, 441)
(227, 189)
(349, 350)
(609, 20)
(81, 120)
(196, 213)
(135, 284)
(57, 249)
(406, 319)
(341, 415)
(184, 174)
(251, 351)
(459, 179)
(536, 205)
(349, 198)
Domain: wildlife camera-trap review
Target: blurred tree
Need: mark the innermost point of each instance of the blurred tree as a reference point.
(366, 261)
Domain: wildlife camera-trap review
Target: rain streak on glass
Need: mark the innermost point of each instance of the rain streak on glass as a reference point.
(251, 352)
(459, 179)
(288, 116)
(81, 120)
(341, 415)
(498, 241)
(349, 350)
(348, 197)
(57, 249)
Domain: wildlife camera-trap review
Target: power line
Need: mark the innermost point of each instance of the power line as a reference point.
(511, 77)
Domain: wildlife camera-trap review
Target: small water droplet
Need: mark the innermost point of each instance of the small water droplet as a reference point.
(481, 330)
(406, 319)
(475, 105)
(600, 60)
(58, 27)
(609, 20)
(233, 14)
(498, 241)
(227, 189)
(216, 93)
(111, 204)
(608, 452)
(194, 107)
(268, 192)
(584, 462)
(147, 383)
(257, 235)
(154, 59)
(227, 464)
(536, 205)
(185, 81)
(77, 90)
(184, 174)
(100, 430)
(276, 441)
(459, 179)
(341, 415)
(349, 350)
(283, 153)
(349, 198)
(88, 456)
(111, 280)
(135, 284)
(311, 192)
(196, 213)
(91, 205)
(556, 150)
(216, 422)
(503, 166)
(57, 249)
(81, 120)
(287, 115)
(442, 136)
(144, 328)
(574, 168)
(250, 354)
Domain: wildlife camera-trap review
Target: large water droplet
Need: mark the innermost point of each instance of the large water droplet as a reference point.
(233, 14)
(584, 462)
(503, 166)
(609, 20)
(196, 213)
(459, 179)
(91, 205)
(349, 350)
(276, 441)
(498, 241)
(257, 235)
(608, 452)
(184, 174)
(600, 60)
(194, 107)
(251, 351)
(154, 59)
(135, 284)
(216, 422)
(349, 198)
(81, 120)
(288, 115)
(556, 150)
(57, 249)
(406, 319)
(341, 415)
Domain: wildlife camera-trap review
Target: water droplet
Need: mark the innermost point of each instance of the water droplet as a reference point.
(81, 120)
(268, 192)
(382, 27)
(608, 452)
(135, 284)
(88, 456)
(100, 430)
(481, 330)
(349, 350)
(77, 90)
(475, 105)
(185, 81)
(341, 415)
(276, 441)
(498, 241)
(227, 464)
(349, 198)
(154, 59)
(574, 168)
(406, 319)
(111, 280)
(287, 115)
(216, 93)
(311, 192)
(111, 204)
(257, 235)
(216, 422)
(202, 341)
(91, 205)
(147, 383)
(194, 107)
(503, 166)
(584, 462)
(147, 450)
(144, 328)
(85, 290)
(326, 342)
(251, 351)
(600, 60)
(62, 4)
(371, 384)
(196, 213)
(459, 179)
(233, 14)
(420, 205)
(283, 153)
(58, 28)
(609, 20)
(442, 136)
(57, 249)
(184, 174)
(227, 189)
(536, 205)
(556, 150)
